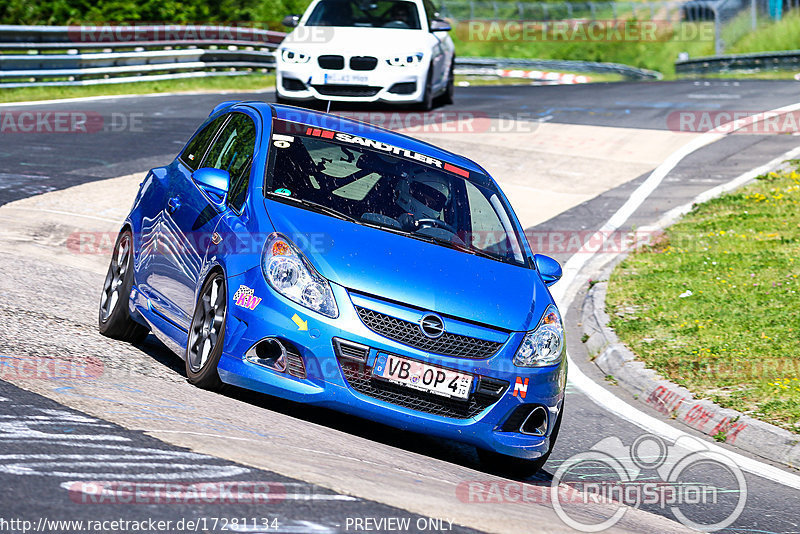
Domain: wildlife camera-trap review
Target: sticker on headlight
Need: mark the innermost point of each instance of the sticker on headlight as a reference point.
(521, 387)
(246, 298)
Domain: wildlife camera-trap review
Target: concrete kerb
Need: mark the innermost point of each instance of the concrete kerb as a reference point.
(648, 387)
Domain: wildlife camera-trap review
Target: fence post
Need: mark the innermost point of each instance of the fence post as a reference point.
(718, 45)
(753, 15)
(592, 10)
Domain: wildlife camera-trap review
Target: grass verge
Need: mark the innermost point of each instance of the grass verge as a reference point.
(712, 304)
(211, 84)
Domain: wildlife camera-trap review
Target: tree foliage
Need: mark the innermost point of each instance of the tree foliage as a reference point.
(64, 12)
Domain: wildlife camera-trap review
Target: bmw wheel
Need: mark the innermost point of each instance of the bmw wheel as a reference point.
(206, 334)
(427, 97)
(449, 95)
(114, 319)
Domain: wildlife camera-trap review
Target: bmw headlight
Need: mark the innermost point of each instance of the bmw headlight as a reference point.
(290, 274)
(405, 61)
(545, 345)
(290, 56)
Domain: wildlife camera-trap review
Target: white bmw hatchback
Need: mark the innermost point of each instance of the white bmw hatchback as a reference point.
(395, 51)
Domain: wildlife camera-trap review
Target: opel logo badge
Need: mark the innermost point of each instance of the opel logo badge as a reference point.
(431, 325)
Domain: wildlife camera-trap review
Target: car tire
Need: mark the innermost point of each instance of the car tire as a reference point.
(448, 97)
(114, 318)
(510, 466)
(207, 333)
(427, 97)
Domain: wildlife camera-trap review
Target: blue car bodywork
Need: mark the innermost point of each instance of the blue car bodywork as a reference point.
(183, 228)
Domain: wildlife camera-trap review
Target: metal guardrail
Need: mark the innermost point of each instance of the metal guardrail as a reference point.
(81, 55)
(89, 55)
(483, 65)
(761, 61)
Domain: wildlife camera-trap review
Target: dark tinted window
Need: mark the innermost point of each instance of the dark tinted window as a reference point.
(233, 152)
(196, 148)
(374, 14)
(389, 188)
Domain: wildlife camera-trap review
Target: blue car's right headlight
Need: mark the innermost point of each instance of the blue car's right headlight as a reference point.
(545, 345)
(292, 275)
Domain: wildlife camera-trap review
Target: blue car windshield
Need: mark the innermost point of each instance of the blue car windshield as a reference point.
(365, 14)
(393, 189)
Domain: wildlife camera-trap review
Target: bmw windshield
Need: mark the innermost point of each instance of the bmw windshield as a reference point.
(365, 14)
(396, 190)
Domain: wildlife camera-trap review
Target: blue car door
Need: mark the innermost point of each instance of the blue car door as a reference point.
(167, 250)
(194, 213)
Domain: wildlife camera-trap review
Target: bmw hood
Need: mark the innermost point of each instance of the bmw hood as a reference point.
(414, 272)
(381, 42)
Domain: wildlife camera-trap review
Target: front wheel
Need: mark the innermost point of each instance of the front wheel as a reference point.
(518, 467)
(207, 333)
(427, 97)
(114, 319)
(449, 95)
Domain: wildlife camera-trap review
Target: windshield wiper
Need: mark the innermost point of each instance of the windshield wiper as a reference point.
(462, 248)
(314, 206)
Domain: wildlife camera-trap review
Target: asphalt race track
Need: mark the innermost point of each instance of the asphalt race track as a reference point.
(313, 470)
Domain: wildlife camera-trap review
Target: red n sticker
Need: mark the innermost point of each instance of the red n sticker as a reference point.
(521, 388)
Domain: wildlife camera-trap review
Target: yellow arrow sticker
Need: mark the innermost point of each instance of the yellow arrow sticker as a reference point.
(301, 324)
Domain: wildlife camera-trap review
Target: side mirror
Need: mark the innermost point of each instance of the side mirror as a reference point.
(290, 21)
(440, 25)
(215, 182)
(549, 269)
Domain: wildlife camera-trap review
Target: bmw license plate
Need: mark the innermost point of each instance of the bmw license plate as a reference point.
(355, 79)
(421, 376)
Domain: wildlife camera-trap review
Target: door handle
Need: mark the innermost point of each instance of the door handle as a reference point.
(173, 204)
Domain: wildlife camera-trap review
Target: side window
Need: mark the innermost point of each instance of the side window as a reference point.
(196, 148)
(233, 152)
(430, 11)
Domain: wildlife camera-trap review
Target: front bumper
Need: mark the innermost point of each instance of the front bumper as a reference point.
(337, 383)
(308, 81)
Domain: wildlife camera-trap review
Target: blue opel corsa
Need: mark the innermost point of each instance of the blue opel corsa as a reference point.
(327, 261)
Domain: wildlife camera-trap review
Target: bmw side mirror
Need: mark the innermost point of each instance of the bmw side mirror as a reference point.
(215, 182)
(440, 25)
(549, 269)
(290, 21)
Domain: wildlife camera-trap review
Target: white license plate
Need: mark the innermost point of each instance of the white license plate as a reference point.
(353, 79)
(421, 376)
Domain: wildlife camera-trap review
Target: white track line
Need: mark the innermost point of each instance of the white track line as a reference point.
(565, 293)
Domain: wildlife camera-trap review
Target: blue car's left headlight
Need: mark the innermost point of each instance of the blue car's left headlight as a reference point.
(292, 275)
(545, 345)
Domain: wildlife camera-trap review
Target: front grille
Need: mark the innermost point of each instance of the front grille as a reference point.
(331, 62)
(295, 365)
(409, 333)
(359, 377)
(363, 63)
(346, 90)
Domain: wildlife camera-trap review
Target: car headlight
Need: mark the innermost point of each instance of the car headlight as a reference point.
(545, 345)
(290, 56)
(405, 61)
(292, 275)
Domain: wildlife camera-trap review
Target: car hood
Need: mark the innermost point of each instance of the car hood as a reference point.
(381, 42)
(414, 272)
